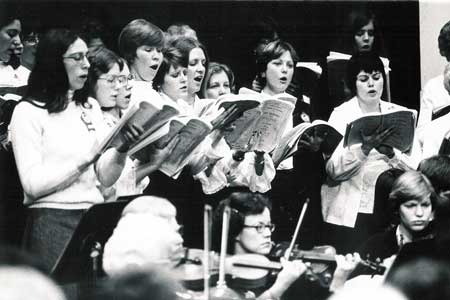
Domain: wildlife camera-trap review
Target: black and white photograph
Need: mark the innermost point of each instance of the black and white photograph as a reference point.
(206, 150)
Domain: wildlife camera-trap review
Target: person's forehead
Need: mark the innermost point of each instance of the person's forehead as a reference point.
(78, 46)
(176, 68)
(265, 215)
(15, 24)
(219, 75)
(368, 26)
(125, 69)
(418, 200)
(362, 72)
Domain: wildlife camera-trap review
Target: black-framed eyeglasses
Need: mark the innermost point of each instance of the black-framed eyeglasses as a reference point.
(78, 57)
(117, 79)
(260, 227)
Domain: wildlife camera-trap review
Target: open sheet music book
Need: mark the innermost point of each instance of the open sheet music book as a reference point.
(142, 150)
(245, 100)
(191, 132)
(288, 144)
(403, 122)
(313, 66)
(145, 115)
(261, 128)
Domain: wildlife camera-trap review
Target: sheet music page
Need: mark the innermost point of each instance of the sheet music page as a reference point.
(272, 123)
(402, 121)
(190, 136)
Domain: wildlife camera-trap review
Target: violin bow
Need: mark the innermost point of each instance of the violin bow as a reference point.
(207, 220)
(223, 246)
(297, 229)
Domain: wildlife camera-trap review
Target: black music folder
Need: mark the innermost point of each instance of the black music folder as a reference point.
(81, 259)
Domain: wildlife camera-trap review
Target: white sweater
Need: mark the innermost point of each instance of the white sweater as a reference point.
(48, 149)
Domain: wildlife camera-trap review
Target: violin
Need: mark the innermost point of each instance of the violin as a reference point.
(208, 262)
(190, 269)
(320, 259)
(246, 271)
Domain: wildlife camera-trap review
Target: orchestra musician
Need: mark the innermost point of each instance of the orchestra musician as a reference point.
(250, 231)
(147, 233)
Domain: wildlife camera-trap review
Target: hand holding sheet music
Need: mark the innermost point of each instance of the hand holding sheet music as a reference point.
(145, 117)
(315, 136)
(396, 129)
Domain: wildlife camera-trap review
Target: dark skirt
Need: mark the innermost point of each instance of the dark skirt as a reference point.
(48, 231)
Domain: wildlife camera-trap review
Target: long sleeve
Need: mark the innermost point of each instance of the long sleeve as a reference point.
(109, 166)
(39, 177)
(54, 156)
(345, 163)
(350, 185)
(426, 107)
(434, 97)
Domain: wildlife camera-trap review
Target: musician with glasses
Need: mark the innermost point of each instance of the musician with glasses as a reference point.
(56, 131)
(250, 232)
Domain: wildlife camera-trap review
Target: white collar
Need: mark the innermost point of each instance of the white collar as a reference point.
(402, 238)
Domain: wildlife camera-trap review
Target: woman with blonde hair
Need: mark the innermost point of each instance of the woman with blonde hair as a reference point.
(411, 200)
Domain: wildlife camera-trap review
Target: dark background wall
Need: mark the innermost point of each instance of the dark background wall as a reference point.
(228, 30)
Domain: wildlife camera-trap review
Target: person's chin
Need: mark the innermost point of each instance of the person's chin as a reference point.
(183, 95)
(123, 105)
(149, 77)
(265, 249)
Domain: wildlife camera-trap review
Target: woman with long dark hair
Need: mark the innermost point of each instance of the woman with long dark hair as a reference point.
(56, 132)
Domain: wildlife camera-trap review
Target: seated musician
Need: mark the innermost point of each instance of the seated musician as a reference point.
(412, 199)
(250, 231)
(146, 234)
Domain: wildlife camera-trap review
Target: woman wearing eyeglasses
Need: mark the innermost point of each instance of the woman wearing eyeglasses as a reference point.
(348, 192)
(105, 80)
(250, 232)
(55, 135)
(110, 84)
